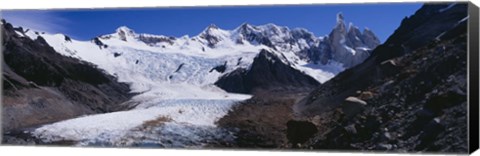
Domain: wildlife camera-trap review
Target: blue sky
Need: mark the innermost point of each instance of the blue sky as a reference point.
(85, 24)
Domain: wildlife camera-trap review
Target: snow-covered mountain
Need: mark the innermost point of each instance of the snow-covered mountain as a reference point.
(135, 57)
(186, 79)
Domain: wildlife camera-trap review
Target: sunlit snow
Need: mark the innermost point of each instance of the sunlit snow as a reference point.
(173, 79)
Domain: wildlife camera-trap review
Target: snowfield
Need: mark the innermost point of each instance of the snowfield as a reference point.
(172, 85)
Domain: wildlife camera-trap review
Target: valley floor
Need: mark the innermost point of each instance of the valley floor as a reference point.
(152, 123)
(235, 122)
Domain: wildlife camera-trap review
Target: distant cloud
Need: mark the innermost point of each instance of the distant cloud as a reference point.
(40, 20)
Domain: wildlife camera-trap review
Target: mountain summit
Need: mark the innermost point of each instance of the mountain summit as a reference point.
(349, 46)
(124, 32)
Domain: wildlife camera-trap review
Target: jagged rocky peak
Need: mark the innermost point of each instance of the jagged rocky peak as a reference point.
(268, 30)
(350, 46)
(354, 36)
(365, 39)
(340, 18)
(124, 32)
(249, 33)
(369, 38)
(212, 35)
(246, 29)
(278, 37)
(338, 33)
(212, 27)
(301, 33)
(274, 30)
(245, 26)
(340, 26)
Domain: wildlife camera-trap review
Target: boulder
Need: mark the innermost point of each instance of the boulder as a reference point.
(365, 95)
(352, 106)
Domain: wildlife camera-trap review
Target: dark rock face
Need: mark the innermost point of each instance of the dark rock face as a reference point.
(152, 40)
(212, 40)
(179, 67)
(117, 54)
(99, 43)
(343, 40)
(234, 81)
(68, 39)
(423, 27)
(419, 106)
(369, 38)
(267, 72)
(43, 86)
(220, 68)
(346, 45)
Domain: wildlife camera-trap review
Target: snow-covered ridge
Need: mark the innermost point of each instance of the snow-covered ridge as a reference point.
(159, 58)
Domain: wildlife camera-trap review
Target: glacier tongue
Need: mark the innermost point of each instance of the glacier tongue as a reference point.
(171, 85)
(191, 118)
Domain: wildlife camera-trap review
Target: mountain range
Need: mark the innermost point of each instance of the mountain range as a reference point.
(128, 70)
(253, 86)
(314, 59)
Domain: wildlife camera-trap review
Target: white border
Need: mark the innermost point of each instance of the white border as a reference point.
(75, 151)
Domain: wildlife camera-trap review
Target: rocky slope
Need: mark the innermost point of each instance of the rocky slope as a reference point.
(409, 95)
(404, 40)
(41, 86)
(261, 121)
